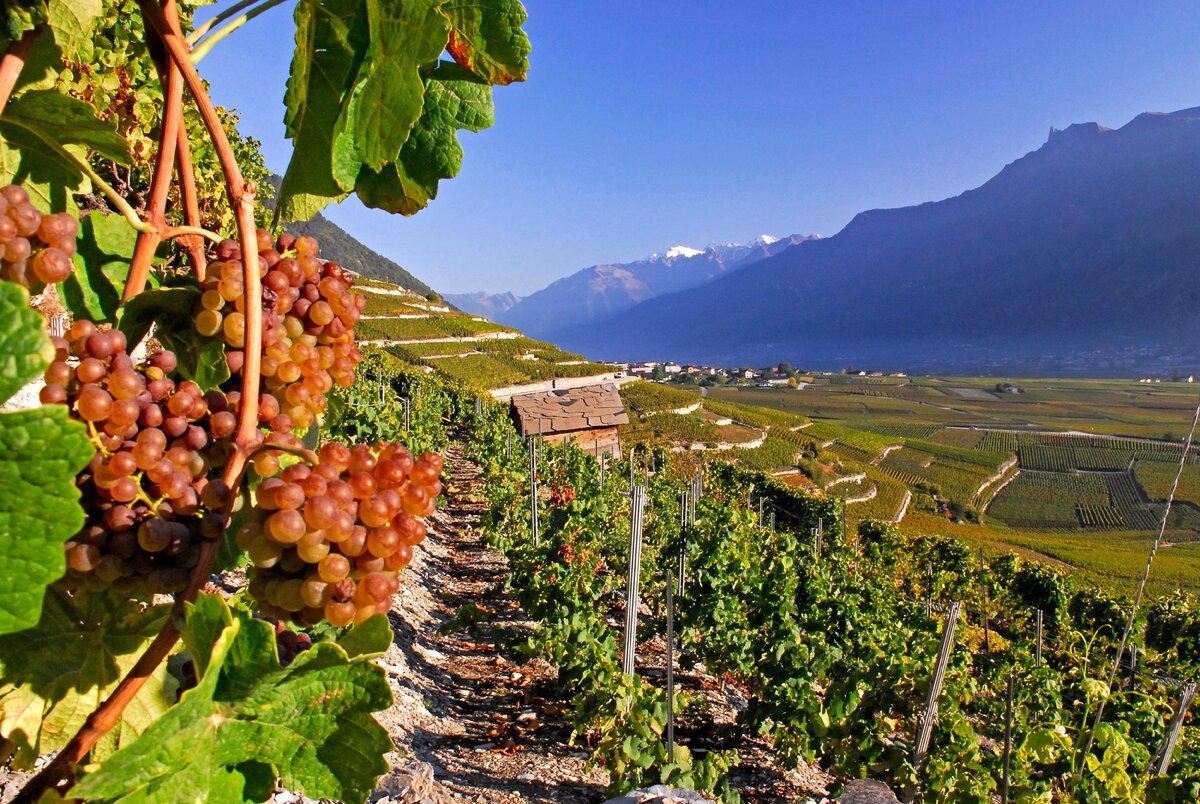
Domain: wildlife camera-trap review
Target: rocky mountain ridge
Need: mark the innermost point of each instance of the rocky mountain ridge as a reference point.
(1086, 246)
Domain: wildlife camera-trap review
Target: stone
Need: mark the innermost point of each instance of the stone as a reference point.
(867, 791)
(411, 784)
(11, 783)
(659, 794)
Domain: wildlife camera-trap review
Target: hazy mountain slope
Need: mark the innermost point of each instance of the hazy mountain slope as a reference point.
(602, 290)
(340, 246)
(1091, 242)
(488, 305)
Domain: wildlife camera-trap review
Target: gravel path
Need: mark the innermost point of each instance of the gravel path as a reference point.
(489, 722)
(486, 720)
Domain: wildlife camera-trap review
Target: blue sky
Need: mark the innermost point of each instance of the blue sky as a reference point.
(649, 124)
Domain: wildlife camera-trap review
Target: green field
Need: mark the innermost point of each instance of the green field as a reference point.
(1105, 407)
(1074, 471)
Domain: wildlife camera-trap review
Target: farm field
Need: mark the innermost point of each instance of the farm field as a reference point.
(1073, 471)
(1105, 407)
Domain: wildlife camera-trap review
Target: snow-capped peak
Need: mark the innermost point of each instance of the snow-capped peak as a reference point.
(764, 240)
(682, 251)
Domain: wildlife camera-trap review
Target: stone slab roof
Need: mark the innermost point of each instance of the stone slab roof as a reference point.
(567, 409)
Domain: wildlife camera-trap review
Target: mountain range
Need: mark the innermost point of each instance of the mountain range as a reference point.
(1089, 245)
(601, 291)
(488, 305)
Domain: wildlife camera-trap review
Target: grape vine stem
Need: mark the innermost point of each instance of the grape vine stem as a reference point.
(58, 774)
(191, 204)
(116, 199)
(191, 231)
(201, 30)
(202, 49)
(14, 60)
(305, 454)
(164, 167)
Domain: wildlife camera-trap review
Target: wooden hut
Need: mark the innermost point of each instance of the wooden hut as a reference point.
(588, 416)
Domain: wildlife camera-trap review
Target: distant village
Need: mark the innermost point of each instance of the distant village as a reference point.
(780, 376)
(784, 376)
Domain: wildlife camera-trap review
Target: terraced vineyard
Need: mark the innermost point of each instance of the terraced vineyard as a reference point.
(755, 417)
(967, 439)
(1129, 500)
(890, 495)
(684, 428)
(388, 304)
(1156, 477)
(774, 455)
(472, 350)
(1048, 499)
(923, 431)
(439, 326)
(652, 397)
(1099, 516)
(1064, 464)
(996, 441)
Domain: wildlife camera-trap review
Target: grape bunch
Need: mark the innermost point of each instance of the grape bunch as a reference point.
(147, 489)
(308, 318)
(35, 249)
(288, 643)
(328, 541)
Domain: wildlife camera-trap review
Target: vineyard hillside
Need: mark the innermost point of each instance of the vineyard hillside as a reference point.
(464, 347)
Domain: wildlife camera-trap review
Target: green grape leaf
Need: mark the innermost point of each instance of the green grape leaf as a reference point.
(42, 67)
(259, 780)
(56, 673)
(56, 117)
(330, 37)
(368, 639)
(310, 721)
(367, 114)
(207, 617)
(454, 98)
(74, 24)
(93, 290)
(25, 349)
(486, 38)
(388, 91)
(41, 450)
(50, 180)
(19, 16)
(201, 358)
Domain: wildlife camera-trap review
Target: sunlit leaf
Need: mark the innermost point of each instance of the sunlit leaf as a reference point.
(57, 672)
(486, 38)
(311, 722)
